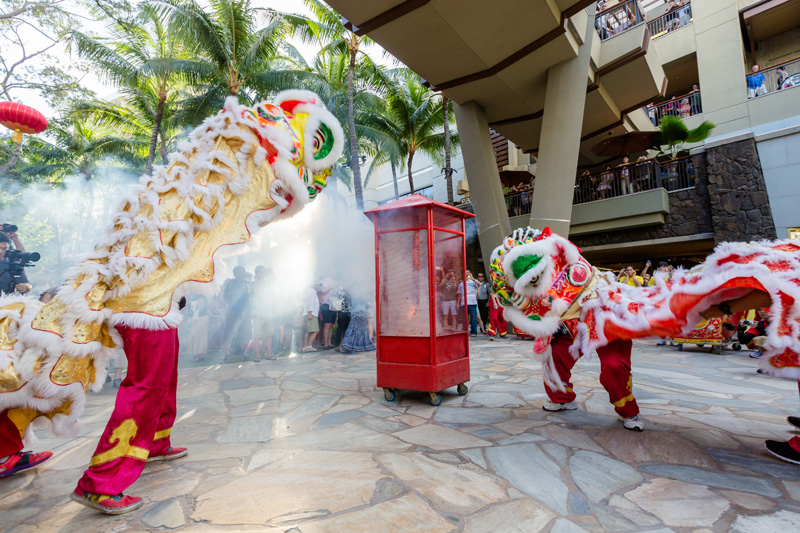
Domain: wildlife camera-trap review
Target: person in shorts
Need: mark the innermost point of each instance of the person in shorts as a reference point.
(449, 291)
(310, 317)
(262, 312)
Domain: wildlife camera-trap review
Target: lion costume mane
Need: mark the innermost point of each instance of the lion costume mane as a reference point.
(238, 171)
(544, 285)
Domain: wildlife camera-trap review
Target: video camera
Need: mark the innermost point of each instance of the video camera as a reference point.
(10, 228)
(14, 264)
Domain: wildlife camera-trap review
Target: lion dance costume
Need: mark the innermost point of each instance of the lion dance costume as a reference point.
(551, 292)
(239, 170)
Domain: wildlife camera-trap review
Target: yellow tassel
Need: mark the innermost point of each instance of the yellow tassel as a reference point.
(17, 136)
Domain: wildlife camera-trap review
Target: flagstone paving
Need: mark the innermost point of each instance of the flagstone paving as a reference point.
(308, 444)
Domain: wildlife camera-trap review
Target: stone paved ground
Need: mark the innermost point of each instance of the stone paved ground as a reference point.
(307, 444)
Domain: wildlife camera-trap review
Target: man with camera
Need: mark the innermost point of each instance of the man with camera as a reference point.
(12, 273)
(13, 279)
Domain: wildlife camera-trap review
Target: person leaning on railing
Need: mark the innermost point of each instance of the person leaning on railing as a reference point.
(756, 83)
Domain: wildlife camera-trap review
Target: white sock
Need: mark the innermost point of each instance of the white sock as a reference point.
(4, 459)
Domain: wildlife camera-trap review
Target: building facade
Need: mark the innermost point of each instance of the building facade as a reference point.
(587, 72)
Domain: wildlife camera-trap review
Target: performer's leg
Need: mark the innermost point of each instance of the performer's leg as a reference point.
(12, 458)
(615, 376)
(10, 438)
(563, 362)
(161, 439)
(126, 441)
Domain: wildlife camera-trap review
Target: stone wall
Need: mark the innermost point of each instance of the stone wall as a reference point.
(739, 201)
(689, 214)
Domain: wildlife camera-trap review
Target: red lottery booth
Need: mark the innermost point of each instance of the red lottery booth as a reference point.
(420, 255)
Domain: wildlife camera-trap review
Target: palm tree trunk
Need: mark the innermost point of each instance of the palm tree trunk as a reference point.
(410, 177)
(162, 148)
(351, 124)
(448, 170)
(394, 181)
(154, 135)
(12, 161)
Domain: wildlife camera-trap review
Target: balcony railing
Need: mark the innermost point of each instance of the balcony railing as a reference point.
(519, 204)
(681, 106)
(671, 21)
(777, 78)
(634, 177)
(618, 19)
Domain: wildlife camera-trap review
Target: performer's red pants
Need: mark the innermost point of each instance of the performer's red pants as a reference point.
(615, 373)
(143, 415)
(497, 322)
(10, 438)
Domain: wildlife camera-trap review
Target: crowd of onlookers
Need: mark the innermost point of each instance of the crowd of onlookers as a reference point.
(631, 177)
(256, 316)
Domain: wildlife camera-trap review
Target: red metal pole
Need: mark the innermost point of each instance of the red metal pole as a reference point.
(377, 294)
(431, 286)
(464, 256)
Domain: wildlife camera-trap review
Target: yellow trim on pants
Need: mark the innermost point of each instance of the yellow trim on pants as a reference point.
(620, 403)
(122, 435)
(163, 434)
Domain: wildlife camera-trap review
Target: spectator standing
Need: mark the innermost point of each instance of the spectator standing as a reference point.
(756, 83)
(684, 13)
(341, 306)
(625, 176)
(686, 108)
(263, 312)
(628, 276)
(782, 75)
(606, 179)
(328, 316)
(471, 300)
(310, 317)
(357, 337)
(483, 300)
(449, 289)
(236, 294)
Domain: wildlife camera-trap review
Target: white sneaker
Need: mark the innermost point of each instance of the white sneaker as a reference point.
(662, 342)
(633, 423)
(553, 406)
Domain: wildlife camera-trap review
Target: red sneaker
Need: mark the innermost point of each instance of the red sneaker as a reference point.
(119, 504)
(22, 460)
(171, 453)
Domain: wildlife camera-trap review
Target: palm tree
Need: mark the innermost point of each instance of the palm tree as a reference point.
(328, 29)
(448, 169)
(148, 63)
(415, 118)
(239, 56)
(673, 134)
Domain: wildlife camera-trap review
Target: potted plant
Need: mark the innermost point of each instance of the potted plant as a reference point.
(673, 134)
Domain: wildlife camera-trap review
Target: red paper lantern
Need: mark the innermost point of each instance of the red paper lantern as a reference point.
(21, 119)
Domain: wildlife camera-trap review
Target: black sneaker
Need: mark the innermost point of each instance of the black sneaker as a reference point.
(784, 451)
(794, 420)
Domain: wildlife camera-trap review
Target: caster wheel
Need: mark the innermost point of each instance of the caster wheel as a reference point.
(389, 395)
(680, 347)
(436, 399)
(737, 346)
(462, 389)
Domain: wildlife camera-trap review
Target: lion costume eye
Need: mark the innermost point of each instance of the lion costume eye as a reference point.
(323, 142)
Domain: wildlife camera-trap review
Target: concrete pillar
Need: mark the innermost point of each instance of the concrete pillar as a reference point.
(480, 167)
(561, 137)
(721, 65)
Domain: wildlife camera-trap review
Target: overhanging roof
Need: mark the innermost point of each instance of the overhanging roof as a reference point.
(497, 53)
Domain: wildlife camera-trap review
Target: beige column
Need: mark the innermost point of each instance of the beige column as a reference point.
(480, 167)
(721, 65)
(561, 137)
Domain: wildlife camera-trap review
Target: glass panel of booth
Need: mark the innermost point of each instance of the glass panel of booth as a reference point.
(406, 218)
(449, 280)
(403, 284)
